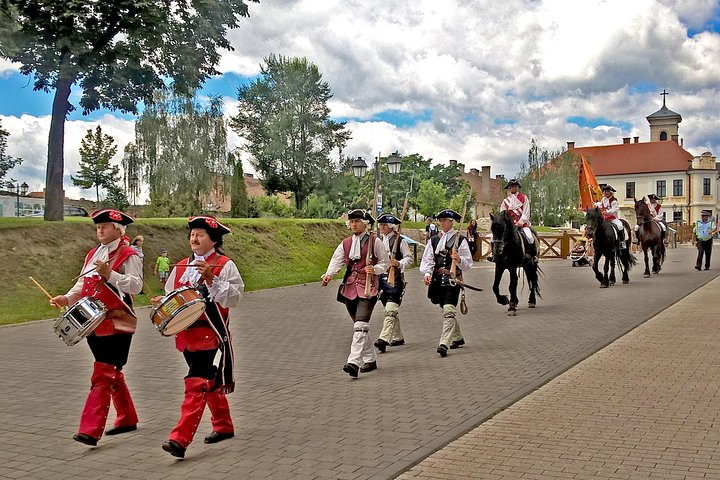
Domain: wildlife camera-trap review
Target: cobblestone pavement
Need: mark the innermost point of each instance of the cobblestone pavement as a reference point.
(297, 415)
(646, 406)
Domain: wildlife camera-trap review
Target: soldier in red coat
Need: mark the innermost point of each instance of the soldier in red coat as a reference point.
(206, 344)
(364, 256)
(112, 274)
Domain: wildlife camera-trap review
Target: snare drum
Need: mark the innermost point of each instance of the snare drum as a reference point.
(80, 320)
(177, 311)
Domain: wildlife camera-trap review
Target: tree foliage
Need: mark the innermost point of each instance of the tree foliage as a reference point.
(7, 162)
(180, 151)
(430, 197)
(284, 117)
(116, 198)
(96, 151)
(239, 202)
(119, 52)
(550, 179)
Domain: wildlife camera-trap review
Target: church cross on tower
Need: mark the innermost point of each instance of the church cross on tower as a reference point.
(664, 93)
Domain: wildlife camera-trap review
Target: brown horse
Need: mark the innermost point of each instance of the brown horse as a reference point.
(650, 237)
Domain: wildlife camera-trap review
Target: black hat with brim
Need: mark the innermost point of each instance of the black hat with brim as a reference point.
(608, 187)
(511, 183)
(389, 218)
(361, 214)
(652, 195)
(706, 212)
(209, 223)
(449, 214)
(110, 215)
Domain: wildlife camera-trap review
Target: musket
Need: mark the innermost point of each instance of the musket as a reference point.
(393, 254)
(368, 262)
(453, 266)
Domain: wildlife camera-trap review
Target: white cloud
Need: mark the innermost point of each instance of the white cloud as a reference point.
(492, 75)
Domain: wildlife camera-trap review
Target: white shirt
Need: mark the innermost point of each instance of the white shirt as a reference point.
(404, 249)
(129, 280)
(427, 264)
(337, 261)
(227, 288)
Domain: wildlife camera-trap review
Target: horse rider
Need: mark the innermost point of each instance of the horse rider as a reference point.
(517, 205)
(610, 208)
(658, 216)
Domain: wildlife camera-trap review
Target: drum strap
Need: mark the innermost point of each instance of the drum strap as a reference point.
(224, 377)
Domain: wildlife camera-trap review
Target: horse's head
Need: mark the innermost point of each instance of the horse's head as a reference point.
(500, 227)
(642, 212)
(593, 219)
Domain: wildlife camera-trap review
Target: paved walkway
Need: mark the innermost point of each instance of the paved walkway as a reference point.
(646, 406)
(298, 415)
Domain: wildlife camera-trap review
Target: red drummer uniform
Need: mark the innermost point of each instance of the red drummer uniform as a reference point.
(110, 341)
(206, 344)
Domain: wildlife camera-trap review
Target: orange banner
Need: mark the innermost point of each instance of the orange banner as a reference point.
(588, 185)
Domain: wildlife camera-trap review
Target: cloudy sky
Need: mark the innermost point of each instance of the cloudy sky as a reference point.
(471, 80)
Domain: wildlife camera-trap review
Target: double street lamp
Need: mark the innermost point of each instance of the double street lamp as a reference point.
(359, 168)
(19, 190)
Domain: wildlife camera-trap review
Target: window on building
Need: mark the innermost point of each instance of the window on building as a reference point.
(677, 216)
(677, 188)
(663, 136)
(661, 189)
(706, 186)
(629, 189)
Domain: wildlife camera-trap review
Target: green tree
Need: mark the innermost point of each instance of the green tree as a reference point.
(239, 202)
(284, 117)
(118, 52)
(116, 198)
(430, 197)
(181, 151)
(550, 179)
(7, 162)
(96, 151)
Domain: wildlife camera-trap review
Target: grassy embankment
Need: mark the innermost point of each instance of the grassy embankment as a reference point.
(269, 253)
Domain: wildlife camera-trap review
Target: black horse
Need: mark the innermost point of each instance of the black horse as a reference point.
(650, 237)
(607, 245)
(511, 250)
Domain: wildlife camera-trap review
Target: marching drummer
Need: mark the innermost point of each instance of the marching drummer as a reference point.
(112, 274)
(206, 344)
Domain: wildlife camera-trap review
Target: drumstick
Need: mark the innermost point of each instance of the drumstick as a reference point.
(85, 273)
(45, 292)
(41, 288)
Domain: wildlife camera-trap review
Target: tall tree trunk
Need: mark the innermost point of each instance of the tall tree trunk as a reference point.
(54, 192)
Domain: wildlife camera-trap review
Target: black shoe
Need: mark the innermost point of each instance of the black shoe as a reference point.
(369, 367)
(697, 267)
(381, 345)
(174, 448)
(490, 258)
(442, 350)
(457, 343)
(397, 343)
(707, 268)
(85, 438)
(119, 430)
(351, 369)
(216, 437)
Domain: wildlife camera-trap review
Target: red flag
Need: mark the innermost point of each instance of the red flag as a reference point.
(589, 189)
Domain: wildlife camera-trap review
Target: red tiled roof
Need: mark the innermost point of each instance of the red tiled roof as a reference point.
(624, 158)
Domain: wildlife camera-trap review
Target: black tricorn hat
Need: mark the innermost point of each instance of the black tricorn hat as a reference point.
(209, 223)
(448, 213)
(389, 218)
(108, 215)
(361, 214)
(512, 182)
(608, 187)
(706, 212)
(652, 195)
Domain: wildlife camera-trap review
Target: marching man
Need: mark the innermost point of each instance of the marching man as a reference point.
(391, 295)
(362, 260)
(610, 209)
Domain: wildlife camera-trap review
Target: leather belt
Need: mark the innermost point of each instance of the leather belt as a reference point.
(458, 279)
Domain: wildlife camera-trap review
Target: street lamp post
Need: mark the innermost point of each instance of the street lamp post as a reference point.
(133, 184)
(359, 168)
(19, 190)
